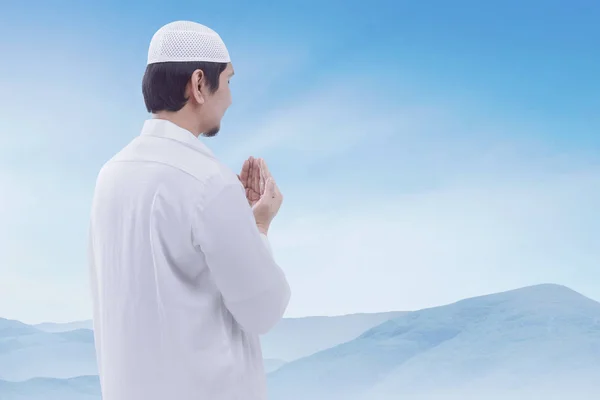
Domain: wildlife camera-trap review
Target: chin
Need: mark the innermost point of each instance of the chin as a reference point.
(212, 132)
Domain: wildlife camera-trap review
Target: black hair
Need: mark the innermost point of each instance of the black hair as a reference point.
(164, 84)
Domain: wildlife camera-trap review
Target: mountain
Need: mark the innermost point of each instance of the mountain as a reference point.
(294, 338)
(80, 388)
(272, 364)
(537, 341)
(29, 353)
(56, 351)
(540, 342)
(53, 327)
(10, 328)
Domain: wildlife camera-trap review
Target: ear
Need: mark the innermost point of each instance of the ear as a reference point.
(197, 86)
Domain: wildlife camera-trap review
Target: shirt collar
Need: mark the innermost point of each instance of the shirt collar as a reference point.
(168, 130)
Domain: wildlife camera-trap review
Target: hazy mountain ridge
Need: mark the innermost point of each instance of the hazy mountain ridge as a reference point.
(540, 342)
(79, 388)
(53, 327)
(514, 339)
(317, 333)
(272, 364)
(294, 338)
(35, 353)
(50, 350)
(10, 328)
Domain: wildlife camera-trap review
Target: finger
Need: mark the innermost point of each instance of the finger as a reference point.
(265, 168)
(251, 168)
(277, 191)
(271, 187)
(251, 172)
(256, 182)
(245, 173)
(263, 177)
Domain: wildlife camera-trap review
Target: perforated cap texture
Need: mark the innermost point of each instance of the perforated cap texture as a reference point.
(187, 41)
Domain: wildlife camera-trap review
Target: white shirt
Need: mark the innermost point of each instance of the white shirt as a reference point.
(182, 281)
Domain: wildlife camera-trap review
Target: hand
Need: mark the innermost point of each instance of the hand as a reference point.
(250, 179)
(261, 191)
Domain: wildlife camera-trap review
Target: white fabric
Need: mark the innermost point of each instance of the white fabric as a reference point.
(187, 41)
(182, 281)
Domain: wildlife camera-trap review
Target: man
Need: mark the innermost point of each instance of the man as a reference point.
(183, 278)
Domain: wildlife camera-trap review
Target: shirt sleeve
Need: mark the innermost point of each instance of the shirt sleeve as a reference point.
(254, 288)
(267, 243)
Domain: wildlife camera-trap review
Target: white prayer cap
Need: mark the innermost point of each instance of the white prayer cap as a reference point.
(181, 41)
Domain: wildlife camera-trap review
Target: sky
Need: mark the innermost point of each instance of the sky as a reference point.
(427, 151)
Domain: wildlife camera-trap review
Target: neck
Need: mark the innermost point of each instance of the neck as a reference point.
(180, 119)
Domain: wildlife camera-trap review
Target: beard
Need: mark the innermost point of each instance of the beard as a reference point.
(212, 132)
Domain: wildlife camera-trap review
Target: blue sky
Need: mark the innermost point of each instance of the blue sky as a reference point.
(428, 151)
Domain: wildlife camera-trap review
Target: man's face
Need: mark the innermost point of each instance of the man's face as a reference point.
(217, 103)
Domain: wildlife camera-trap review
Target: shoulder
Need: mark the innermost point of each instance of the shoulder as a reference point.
(183, 175)
(220, 180)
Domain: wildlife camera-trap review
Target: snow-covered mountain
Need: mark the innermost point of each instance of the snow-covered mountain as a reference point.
(542, 339)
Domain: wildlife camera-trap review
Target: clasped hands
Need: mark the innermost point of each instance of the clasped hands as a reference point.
(262, 192)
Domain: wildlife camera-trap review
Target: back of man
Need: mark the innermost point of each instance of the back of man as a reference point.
(183, 280)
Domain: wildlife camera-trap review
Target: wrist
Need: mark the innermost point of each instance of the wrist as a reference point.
(263, 229)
